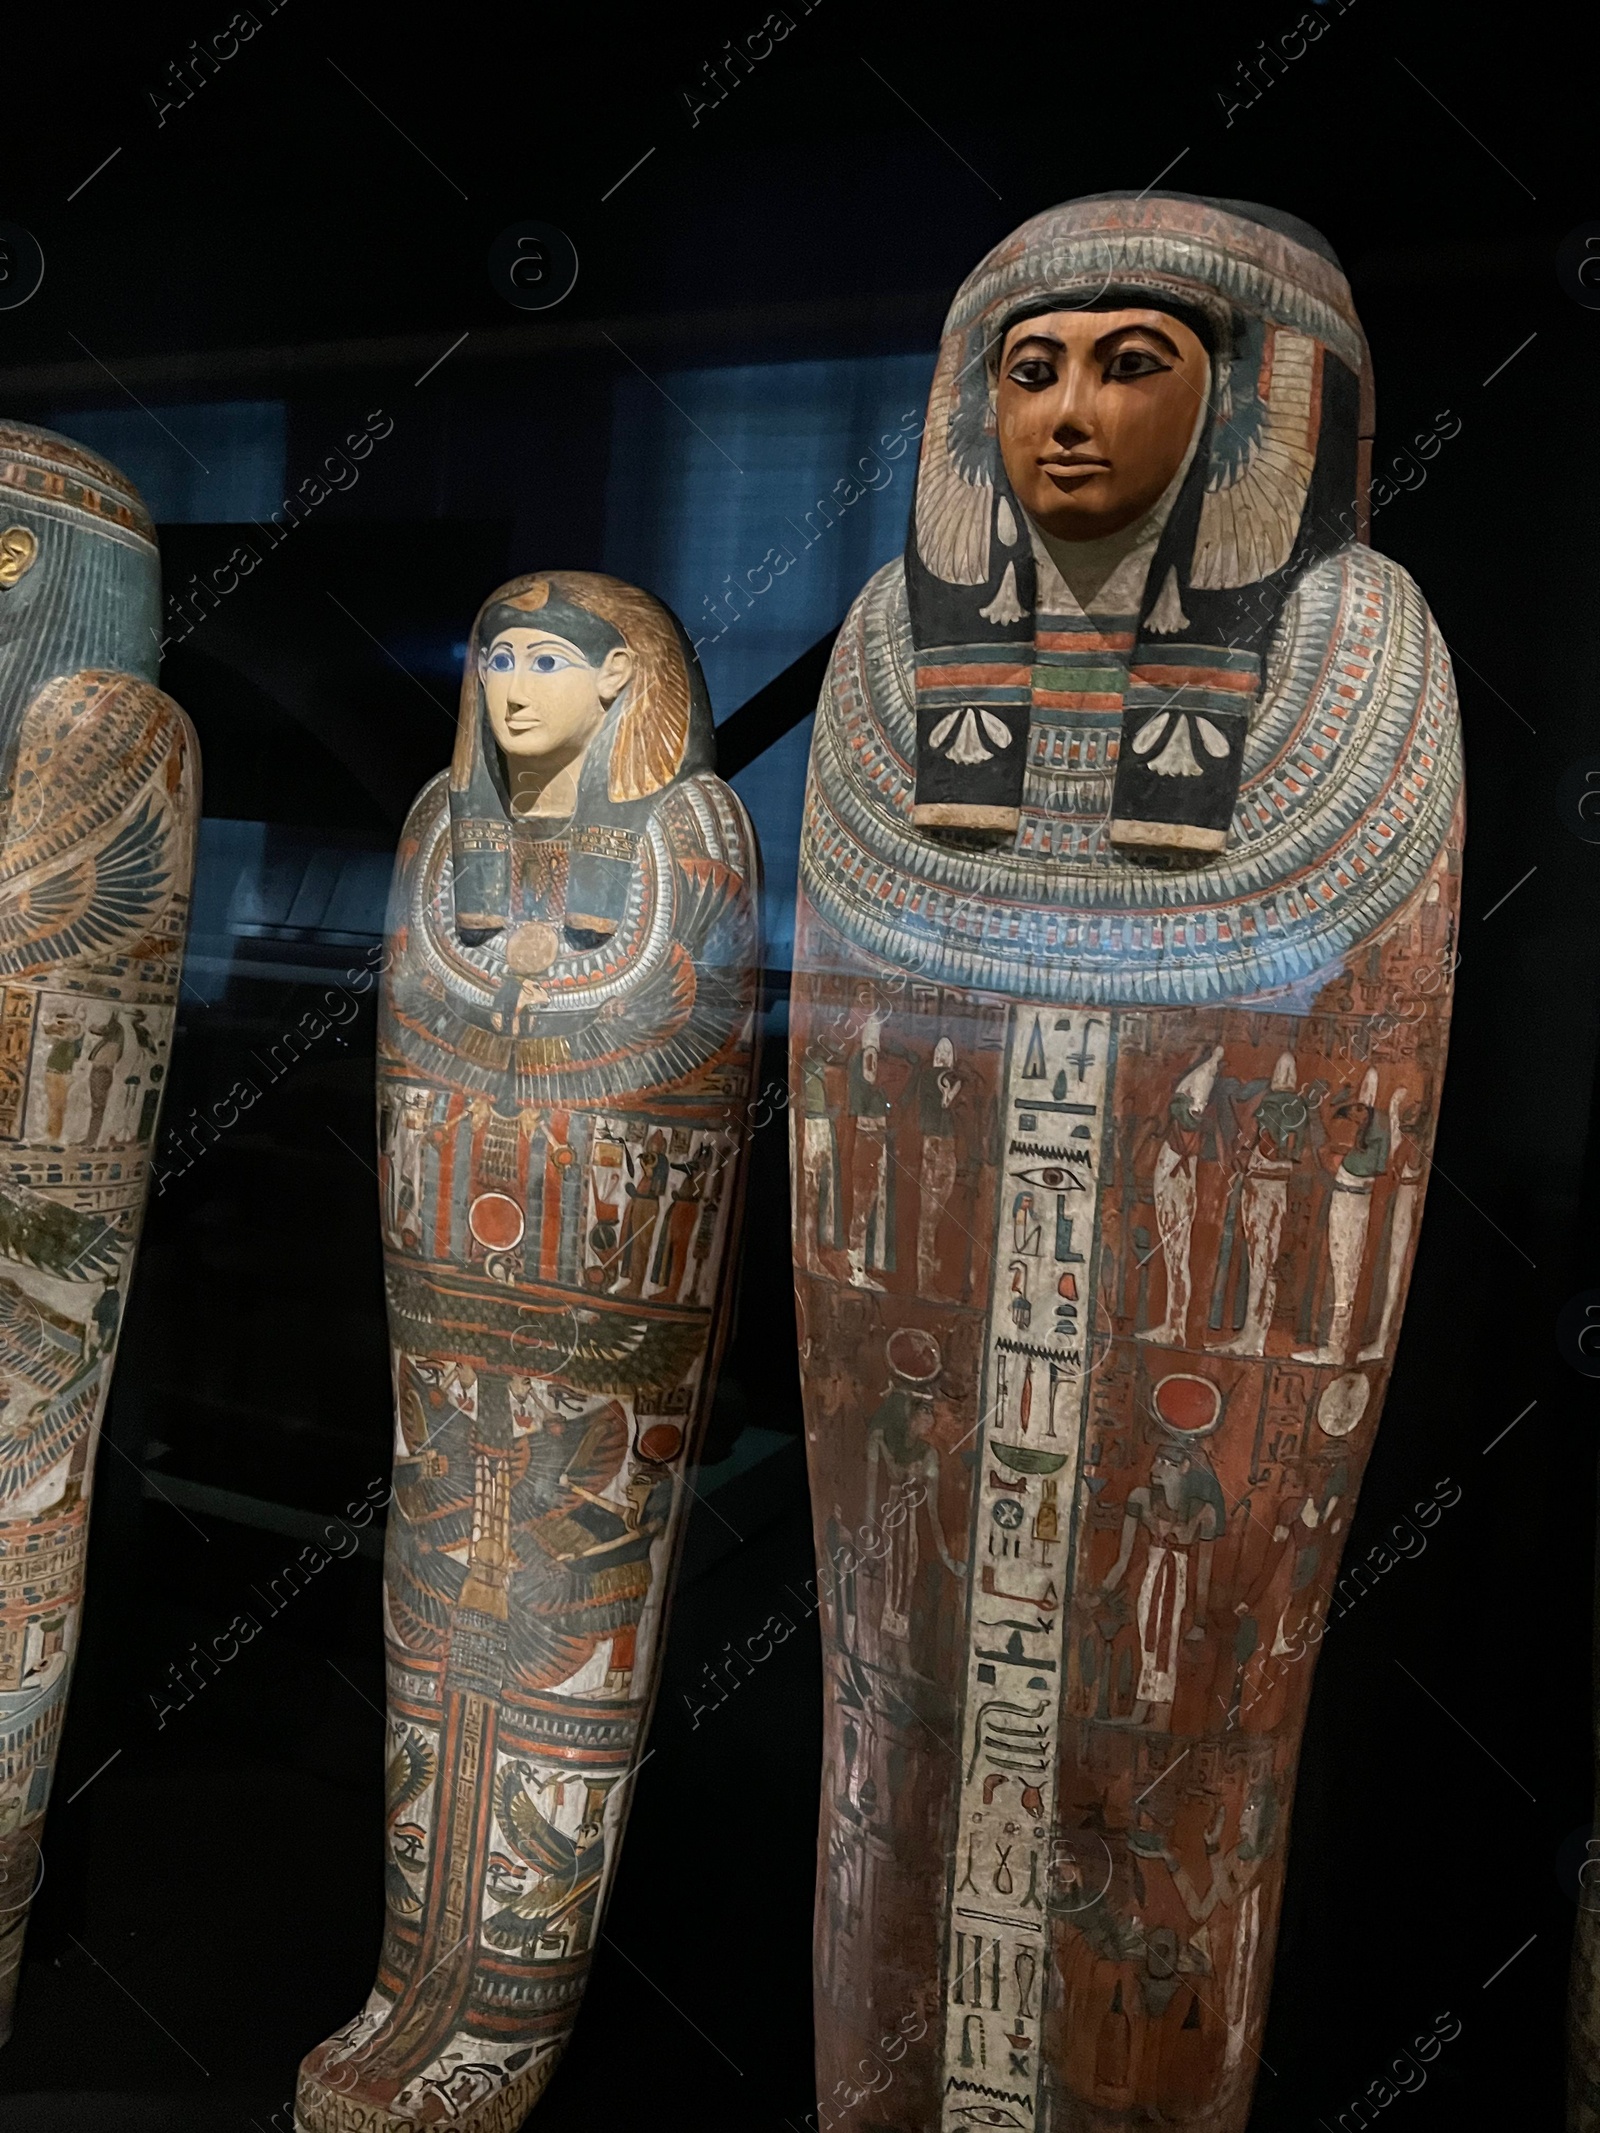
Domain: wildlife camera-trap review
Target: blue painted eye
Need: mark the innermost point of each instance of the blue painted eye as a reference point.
(549, 663)
(502, 660)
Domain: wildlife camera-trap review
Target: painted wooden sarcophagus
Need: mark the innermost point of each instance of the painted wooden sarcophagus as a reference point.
(1129, 885)
(565, 1045)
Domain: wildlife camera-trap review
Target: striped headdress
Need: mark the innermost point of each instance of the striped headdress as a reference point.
(1277, 480)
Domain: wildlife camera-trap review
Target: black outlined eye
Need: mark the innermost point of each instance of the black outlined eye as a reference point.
(1052, 1177)
(1135, 363)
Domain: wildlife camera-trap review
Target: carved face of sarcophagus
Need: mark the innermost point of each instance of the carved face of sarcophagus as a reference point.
(1127, 924)
(97, 822)
(564, 1061)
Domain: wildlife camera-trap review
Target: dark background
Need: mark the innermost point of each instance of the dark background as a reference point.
(211, 1902)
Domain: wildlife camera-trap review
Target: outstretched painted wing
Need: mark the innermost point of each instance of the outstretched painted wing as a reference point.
(545, 1848)
(41, 1232)
(32, 1445)
(86, 901)
(41, 1346)
(636, 1354)
(411, 1771)
(591, 1350)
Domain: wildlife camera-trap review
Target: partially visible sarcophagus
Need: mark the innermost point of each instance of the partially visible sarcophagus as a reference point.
(564, 1063)
(1129, 880)
(99, 794)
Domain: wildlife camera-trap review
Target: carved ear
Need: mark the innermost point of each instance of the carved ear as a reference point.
(955, 481)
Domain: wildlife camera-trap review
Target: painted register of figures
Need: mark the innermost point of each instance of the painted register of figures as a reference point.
(97, 817)
(564, 1061)
(1129, 889)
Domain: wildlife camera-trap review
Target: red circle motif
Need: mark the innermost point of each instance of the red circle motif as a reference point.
(660, 1442)
(913, 1353)
(496, 1221)
(1186, 1403)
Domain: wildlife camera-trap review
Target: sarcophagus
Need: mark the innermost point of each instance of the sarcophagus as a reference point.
(100, 798)
(1129, 881)
(564, 1062)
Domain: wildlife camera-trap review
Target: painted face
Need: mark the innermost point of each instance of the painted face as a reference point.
(546, 702)
(1096, 410)
(1167, 1470)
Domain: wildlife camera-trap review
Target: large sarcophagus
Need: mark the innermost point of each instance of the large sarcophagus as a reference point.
(564, 1062)
(1129, 880)
(99, 795)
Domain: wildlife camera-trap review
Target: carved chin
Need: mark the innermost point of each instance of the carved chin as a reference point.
(544, 746)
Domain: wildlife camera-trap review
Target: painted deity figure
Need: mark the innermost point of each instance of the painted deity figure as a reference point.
(97, 825)
(1134, 812)
(565, 1045)
(1180, 1512)
(1177, 1188)
(938, 1098)
(1266, 1150)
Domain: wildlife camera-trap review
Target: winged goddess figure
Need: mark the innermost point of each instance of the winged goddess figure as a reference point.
(565, 1866)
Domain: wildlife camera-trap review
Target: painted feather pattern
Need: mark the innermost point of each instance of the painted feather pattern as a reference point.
(955, 488)
(1264, 456)
(87, 902)
(31, 1447)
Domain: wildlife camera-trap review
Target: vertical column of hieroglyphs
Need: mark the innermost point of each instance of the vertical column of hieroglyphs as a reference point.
(1029, 1444)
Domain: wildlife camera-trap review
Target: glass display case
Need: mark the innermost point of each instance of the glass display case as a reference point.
(276, 306)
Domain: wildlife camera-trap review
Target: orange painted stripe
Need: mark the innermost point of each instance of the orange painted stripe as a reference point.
(995, 677)
(1084, 640)
(1075, 700)
(1204, 677)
